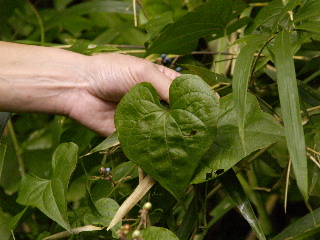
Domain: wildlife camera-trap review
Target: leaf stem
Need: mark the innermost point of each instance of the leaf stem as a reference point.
(17, 148)
(40, 22)
(78, 230)
(257, 58)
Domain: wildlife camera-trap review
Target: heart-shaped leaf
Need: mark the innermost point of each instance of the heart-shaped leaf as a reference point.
(50, 195)
(168, 143)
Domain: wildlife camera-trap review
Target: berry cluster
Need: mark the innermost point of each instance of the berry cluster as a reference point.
(165, 60)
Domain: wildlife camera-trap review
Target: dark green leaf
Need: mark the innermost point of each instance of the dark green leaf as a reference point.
(266, 16)
(168, 144)
(233, 187)
(158, 233)
(182, 36)
(189, 221)
(208, 76)
(50, 195)
(310, 8)
(109, 142)
(302, 228)
(308, 94)
(290, 107)
(260, 131)
(242, 73)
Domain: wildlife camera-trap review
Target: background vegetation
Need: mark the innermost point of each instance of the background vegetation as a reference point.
(260, 177)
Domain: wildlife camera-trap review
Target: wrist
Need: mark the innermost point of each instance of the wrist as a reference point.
(39, 79)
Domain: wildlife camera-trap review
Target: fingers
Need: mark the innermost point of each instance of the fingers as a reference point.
(161, 79)
(167, 71)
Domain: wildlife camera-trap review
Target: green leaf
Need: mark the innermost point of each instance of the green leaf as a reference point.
(266, 16)
(208, 76)
(158, 233)
(310, 8)
(189, 221)
(302, 228)
(50, 195)
(3, 149)
(15, 220)
(5, 232)
(89, 8)
(308, 94)
(310, 27)
(109, 142)
(242, 74)
(290, 108)
(154, 26)
(182, 36)
(260, 130)
(233, 187)
(106, 208)
(88, 48)
(168, 143)
(220, 210)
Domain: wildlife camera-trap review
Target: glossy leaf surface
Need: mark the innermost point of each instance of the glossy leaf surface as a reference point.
(50, 195)
(168, 143)
(233, 187)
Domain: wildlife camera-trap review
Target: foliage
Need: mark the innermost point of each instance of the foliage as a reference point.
(224, 143)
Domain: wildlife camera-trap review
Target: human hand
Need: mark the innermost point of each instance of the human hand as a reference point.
(109, 77)
(86, 88)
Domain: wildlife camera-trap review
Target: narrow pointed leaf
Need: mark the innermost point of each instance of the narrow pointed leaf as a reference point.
(50, 195)
(242, 73)
(290, 107)
(302, 228)
(109, 142)
(168, 143)
(233, 187)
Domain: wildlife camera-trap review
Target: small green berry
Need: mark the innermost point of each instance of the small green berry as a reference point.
(136, 234)
(147, 206)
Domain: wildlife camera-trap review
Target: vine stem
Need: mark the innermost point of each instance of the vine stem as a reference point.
(258, 56)
(40, 22)
(78, 230)
(17, 148)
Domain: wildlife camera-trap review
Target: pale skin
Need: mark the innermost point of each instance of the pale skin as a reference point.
(85, 88)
